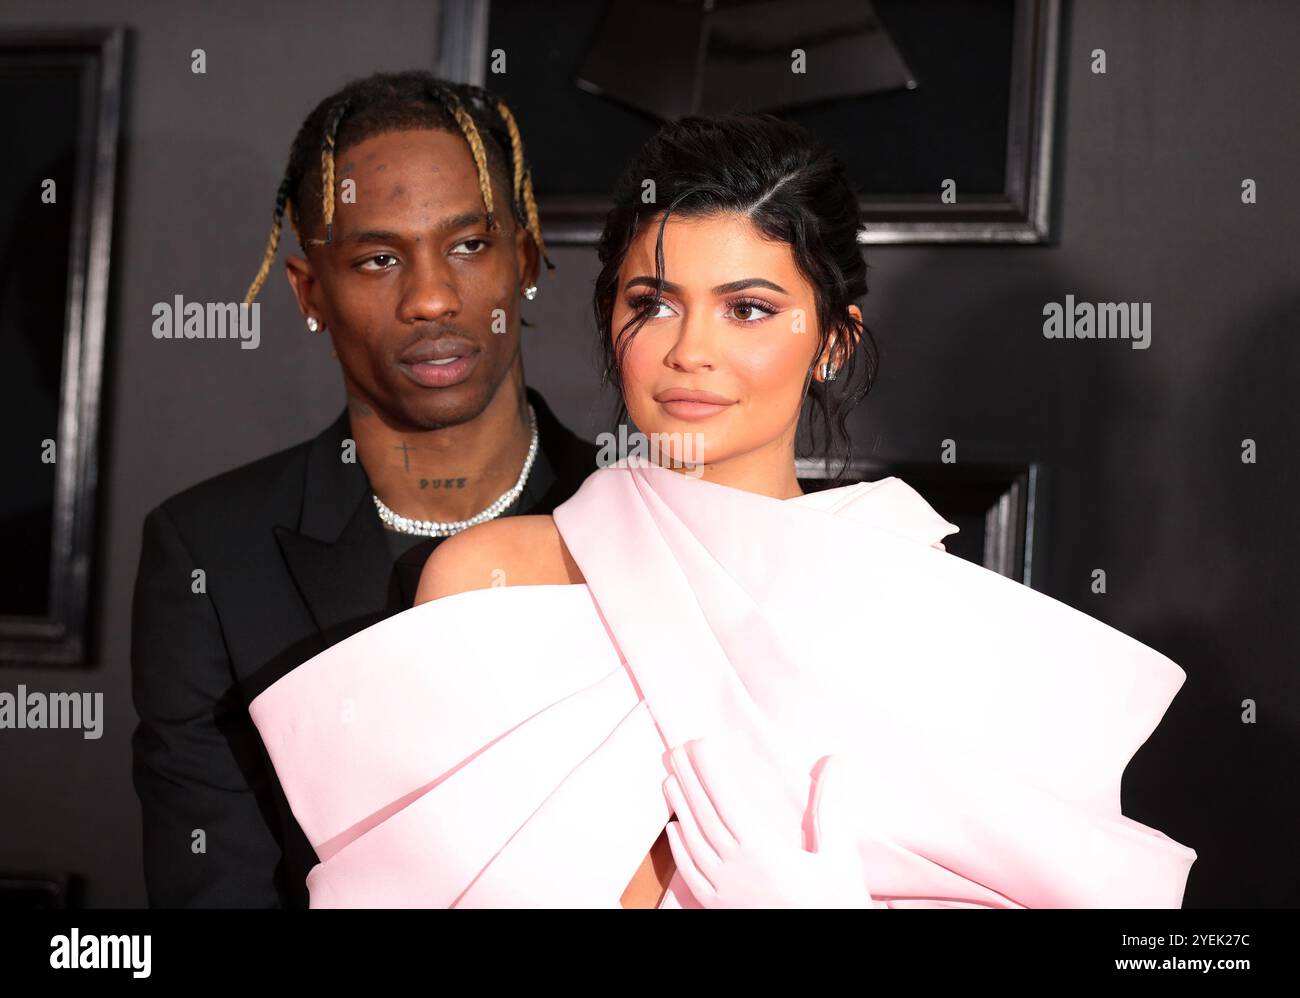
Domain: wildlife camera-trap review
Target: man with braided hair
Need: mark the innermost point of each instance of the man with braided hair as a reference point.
(413, 208)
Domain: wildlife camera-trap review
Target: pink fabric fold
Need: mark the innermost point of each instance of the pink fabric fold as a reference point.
(507, 747)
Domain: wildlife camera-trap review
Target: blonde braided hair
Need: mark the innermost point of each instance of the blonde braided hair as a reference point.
(523, 199)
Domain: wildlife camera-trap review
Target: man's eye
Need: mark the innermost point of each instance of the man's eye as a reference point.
(378, 259)
(476, 246)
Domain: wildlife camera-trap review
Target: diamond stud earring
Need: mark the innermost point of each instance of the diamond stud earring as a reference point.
(312, 324)
(530, 292)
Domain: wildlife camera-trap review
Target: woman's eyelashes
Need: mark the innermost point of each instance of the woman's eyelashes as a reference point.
(756, 309)
(647, 304)
(743, 311)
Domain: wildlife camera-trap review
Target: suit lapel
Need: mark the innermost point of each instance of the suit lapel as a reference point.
(570, 458)
(337, 555)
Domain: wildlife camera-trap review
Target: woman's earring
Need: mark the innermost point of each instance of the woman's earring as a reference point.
(828, 372)
(530, 292)
(312, 324)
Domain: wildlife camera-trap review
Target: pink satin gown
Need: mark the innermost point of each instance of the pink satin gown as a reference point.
(507, 747)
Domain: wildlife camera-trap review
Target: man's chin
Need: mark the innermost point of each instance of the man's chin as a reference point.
(438, 408)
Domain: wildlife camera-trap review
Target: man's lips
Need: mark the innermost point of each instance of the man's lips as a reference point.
(438, 363)
(427, 351)
(440, 372)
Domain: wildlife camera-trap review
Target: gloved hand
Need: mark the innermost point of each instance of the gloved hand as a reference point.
(730, 857)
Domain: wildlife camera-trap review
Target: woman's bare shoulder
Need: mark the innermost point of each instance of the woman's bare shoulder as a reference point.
(514, 551)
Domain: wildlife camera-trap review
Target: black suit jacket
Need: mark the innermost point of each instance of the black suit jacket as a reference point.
(294, 559)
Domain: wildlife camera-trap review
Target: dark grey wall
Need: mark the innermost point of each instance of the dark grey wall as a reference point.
(1143, 445)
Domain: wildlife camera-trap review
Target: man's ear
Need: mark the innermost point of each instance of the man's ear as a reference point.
(303, 281)
(527, 258)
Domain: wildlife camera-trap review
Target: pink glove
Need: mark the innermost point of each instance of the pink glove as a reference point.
(729, 858)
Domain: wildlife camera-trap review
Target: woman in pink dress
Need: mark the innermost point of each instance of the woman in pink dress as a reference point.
(695, 685)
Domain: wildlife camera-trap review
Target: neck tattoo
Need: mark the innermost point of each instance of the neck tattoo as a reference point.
(436, 528)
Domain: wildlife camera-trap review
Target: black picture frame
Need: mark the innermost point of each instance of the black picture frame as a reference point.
(1020, 212)
(92, 58)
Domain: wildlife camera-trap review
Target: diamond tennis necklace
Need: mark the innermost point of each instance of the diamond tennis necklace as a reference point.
(434, 528)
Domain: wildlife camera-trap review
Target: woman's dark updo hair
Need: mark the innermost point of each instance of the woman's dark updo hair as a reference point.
(793, 189)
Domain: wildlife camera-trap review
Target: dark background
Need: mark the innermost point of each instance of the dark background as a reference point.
(1143, 446)
(33, 292)
(959, 52)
